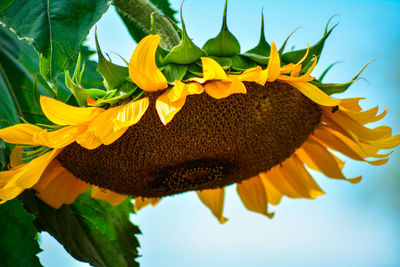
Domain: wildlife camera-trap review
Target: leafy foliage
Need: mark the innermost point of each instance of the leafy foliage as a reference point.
(54, 28)
(18, 239)
(90, 230)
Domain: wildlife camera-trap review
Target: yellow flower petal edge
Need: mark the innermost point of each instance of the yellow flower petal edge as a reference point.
(142, 67)
(222, 89)
(141, 202)
(20, 134)
(274, 64)
(212, 70)
(214, 200)
(63, 114)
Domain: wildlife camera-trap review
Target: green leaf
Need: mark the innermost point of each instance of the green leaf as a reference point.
(263, 48)
(224, 44)
(262, 60)
(285, 42)
(136, 17)
(186, 52)
(295, 56)
(90, 230)
(54, 28)
(113, 75)
(174, 72)
(4, 4)
(18, 239)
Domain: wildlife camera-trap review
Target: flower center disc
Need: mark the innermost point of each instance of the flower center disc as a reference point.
(209, 144)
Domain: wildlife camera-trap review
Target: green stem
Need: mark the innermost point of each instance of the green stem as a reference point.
(140, 11)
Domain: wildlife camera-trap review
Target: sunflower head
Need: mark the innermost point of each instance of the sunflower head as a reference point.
(196, 119)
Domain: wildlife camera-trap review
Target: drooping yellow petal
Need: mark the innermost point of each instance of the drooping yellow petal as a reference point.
(352, 104)
(339, 142)
(20, 134)
(253, 195)
(212, 70)
(221, 89)
(290, 68)
(9, 193)
(317, 157)
(16, 156)
(181, 90)
(32, 171)
(141, 202)
(314, 93)
(386, 143)
(274, 64)
(57, 186)
(256, 74)
(367, 116)
(274, 195)
(294, 172)
(276, 178)
(142, 67)
(166, 109)
(63, 114)
(107, 195)
(214, 200)
(89, 140)
(129, 114)
(59, 138)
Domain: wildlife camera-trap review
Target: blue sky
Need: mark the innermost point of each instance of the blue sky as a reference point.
(352, 225)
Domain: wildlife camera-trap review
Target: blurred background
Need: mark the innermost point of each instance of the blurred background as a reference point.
(352, 225)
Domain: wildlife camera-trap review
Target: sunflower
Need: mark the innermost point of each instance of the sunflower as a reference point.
(196, 119)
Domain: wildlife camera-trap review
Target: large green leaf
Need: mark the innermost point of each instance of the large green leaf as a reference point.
(55, 29)
(136, 17)
(90, 230)
(18, 238)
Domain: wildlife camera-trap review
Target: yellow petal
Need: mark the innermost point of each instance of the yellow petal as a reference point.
(142, 67)
(129, 114)
(58, 186)
(295, 67)
(166, 109)
(386, 143)
(253, 195)
(339, 142)
(274, 64)
(221, 89)
(366, 116)
(214, 200)
(315, 94)
(59, 138)
(10, 193)
(352, 104)
(141, 202)
(63, 114)
(274, 195)
(107, 195)
(276, 178)
(181, 90)
(20, 134)
(16, 156)
(89, 140)
(33, 170)
(256, 74)
(212, 70)
(317, 157)
(294, 172)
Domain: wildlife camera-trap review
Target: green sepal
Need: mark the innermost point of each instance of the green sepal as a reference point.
(196, 69)
(224, 44)
(94, 93)
(174, 72)
(285, 43)
(261, 60)
(263, 48)
(295, 56)
(335, 88)
(241, 63)
(74, 86)
(126, 90)
(186, 52)
(113, 75)
(327, 70)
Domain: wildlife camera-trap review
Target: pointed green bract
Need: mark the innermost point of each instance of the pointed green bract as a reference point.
(263, 48)
(225, 44)
(174, 72)
(285, 43)
(336, 88)
(241, 63)
(262, 60)
(295, 56)
(113, 75)
(186, 52)
(327, 70)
